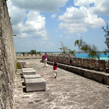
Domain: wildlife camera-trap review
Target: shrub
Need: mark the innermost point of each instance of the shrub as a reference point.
(20, 65)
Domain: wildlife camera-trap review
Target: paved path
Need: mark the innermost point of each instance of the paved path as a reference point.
(67, 91)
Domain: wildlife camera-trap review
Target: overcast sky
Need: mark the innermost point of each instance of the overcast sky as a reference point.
(41, 24)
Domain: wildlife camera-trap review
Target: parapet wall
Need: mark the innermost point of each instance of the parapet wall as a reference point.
(93, 64)
(28, 56)
(7, 58)
(89, 68)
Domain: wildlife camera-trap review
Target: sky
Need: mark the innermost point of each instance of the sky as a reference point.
(42, 25)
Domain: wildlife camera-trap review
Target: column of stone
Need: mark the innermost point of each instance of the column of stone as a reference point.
(102, 66)
(92, 63)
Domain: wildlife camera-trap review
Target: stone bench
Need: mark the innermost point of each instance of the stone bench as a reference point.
(25, 69)
(35, 84)
(31, 77)
(29, 72)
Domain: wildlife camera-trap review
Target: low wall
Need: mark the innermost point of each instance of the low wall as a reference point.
(28, 56)
(98, 76)
(97, 70)
(93, 64)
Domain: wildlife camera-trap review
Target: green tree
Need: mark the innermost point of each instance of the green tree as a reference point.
(33, 52)
(90, 49)
(107, 38)
(66, 50)
(72, 52)
(63, 48)
(23, 53)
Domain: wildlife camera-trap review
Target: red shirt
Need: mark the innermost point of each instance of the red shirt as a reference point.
(54, 67)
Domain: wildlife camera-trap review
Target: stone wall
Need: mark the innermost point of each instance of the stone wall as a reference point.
(28, 56)
(7, 58)
(92, 64)
(98, 76)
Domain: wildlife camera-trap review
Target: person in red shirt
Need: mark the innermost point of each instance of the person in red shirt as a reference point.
(55, 64)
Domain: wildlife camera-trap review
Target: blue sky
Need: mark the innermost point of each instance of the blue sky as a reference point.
(41, 24)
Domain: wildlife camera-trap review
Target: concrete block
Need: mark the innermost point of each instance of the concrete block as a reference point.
(29, 72)
(36, 84)
(27, 69)
(31, 77)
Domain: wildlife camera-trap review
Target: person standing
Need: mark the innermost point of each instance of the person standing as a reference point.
(55, 64)
(45, 60)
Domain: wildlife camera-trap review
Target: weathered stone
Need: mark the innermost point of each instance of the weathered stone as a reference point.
(32, 76)
(101, 64)
(7, 58)
(35, 84)
(25, 69)
(67, 91)
(79, 62)
(29, 72)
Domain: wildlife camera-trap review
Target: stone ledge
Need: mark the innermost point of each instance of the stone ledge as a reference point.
(36, 84)
(25, 69)
(31, 77)
(29, 72)
(98, 76)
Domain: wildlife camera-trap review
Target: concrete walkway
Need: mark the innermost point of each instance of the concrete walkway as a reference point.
(67, 91)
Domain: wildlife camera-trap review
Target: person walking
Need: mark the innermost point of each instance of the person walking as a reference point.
(45, 60)
(55, 64)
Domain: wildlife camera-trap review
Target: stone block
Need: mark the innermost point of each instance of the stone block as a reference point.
(32, 76)
(29, 72)
(36, 84)
(79, 62)
(85, 63)
(74, 61)
(23, 69)
(101, 64)
(92, 63)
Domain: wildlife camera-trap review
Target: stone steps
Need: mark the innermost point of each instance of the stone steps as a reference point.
(33, 81)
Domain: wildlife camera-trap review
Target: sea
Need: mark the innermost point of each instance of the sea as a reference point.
(78, 55)
(85, 55)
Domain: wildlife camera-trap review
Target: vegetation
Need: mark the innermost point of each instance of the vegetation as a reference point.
(23, 53)
(72, 52)
(91, 49)
(4, 1)
(107, 38)
(34, 52)
(65, 49)
(20, 65)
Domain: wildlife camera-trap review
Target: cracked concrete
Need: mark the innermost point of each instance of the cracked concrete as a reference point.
(67, 91)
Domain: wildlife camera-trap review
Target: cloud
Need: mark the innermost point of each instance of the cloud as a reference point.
(17, 15)
(30, 24)
(77, 20)
(40, 5)
(83, 2)
(101, 7)
(98, 7)
(53, 15)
